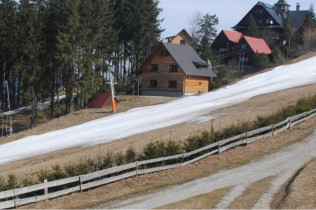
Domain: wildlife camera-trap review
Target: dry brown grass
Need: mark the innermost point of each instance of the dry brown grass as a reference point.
(251, 195)
(155, 181)
(205, 201)
(301, 192)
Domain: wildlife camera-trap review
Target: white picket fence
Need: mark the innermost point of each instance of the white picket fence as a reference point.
(18, 197)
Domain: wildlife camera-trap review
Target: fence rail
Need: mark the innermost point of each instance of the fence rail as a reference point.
(17, 197)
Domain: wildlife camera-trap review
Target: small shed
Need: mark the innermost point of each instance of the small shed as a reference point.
(101, 100)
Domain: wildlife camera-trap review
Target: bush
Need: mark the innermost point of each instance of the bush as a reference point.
(28, 182)
(107, 161)
(119, 158)
(198, 141)
(173, 148)
(3, 184)
(57, 173)
(130, 155)
(260, 61)
(12, 182)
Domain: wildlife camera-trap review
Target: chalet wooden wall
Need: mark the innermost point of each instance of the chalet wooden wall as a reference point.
(162, 75)
(197, 84)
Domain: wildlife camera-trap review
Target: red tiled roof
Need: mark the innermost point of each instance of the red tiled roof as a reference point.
(233, 36)
(258, 45)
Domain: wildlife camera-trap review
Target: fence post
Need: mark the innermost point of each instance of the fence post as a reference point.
(136, 168)
(272, 127)
(182, 159)
(45, 189)
(80, 181)
(219, 147)
(289, 122)
(246, 138)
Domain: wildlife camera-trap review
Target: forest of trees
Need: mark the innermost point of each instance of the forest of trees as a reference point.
(75, 45)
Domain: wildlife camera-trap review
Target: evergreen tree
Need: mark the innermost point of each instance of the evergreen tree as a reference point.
(67, 38)
(207, 34)
(286, 32)
(8, 46)
(30, 14)
(207, 27)
(252, 28)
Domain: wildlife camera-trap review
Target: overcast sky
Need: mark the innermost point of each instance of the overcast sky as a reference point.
(176, 12)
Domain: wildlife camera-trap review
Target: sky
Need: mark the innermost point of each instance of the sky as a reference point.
(176, 13)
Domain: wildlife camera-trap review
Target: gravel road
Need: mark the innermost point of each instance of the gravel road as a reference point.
(281, 166)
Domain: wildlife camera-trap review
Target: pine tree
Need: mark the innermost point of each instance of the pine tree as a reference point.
(207, 34)
(8, 46)
(252, 28)
(67, 37)
(33, 74)
(207, 27)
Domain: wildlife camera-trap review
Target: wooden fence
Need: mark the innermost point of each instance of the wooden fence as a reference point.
(53, 189)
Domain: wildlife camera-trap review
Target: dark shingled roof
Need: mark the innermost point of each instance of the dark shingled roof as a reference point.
(297, 18)
(187, 58)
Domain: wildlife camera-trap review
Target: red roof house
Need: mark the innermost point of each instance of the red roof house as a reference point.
(226, 40)
(257, 45)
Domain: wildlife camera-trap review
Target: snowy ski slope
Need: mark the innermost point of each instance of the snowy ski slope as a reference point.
(149, 118)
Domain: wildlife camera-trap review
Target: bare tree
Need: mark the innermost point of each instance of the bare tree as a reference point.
(194, 20)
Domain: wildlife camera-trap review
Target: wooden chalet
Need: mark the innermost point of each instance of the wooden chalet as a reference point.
(247, 47)
(270, 19)
(175, 70)
(182, 38)
(226, 41)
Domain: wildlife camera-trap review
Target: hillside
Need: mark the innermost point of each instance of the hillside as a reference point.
(190, 117)
(247, 110)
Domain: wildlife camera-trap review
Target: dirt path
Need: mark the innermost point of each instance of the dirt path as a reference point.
(280, 165)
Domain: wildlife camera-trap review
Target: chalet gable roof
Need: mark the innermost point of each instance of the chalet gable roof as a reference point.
(276, 14)
(297, 18)
(188, 59)
(258, 45)
(273, 11)
(170, 38)
(233, 36)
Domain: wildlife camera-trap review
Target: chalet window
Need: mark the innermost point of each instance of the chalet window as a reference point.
(260, 21)
(173, 68)
(260, 11)
(183, 42)
(245, 59)
(243, 47)
(153, 83)
(222, 49)
(172, 84)
(153, 67)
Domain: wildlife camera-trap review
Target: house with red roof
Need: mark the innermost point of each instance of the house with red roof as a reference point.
(247, 47)
(226, 41)
(234, 45)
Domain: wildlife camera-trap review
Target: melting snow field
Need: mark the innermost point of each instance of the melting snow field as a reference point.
(139, 120)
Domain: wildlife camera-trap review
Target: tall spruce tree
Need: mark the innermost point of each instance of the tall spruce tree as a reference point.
(252, 28)
(8, 46)
(207, 34)
(67, 37)
(30, 14)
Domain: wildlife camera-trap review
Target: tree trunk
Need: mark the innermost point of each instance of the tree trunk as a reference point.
(34, 110)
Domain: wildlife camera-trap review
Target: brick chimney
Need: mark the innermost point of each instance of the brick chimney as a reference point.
(298, 6)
